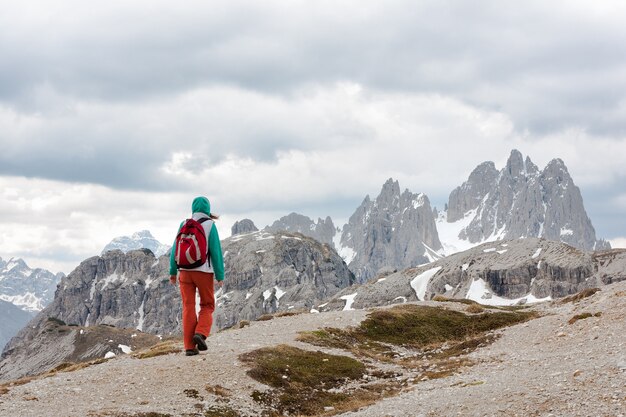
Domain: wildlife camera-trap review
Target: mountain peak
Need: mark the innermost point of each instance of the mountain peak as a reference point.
(515, 166)
(138, 240)
(521, 202)
(243, 226)
(142, 234)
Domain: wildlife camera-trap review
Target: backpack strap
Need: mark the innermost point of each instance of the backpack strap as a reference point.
(208, 247)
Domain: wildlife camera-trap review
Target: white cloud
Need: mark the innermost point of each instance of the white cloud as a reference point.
(129, 109)
(618, 242)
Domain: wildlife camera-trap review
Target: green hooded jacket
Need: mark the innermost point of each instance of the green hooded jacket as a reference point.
(202, 205)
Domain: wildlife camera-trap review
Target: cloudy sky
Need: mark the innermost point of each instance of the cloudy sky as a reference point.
(115, 114)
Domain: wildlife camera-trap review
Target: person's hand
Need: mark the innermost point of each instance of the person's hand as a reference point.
(173, 279)
(219, 284)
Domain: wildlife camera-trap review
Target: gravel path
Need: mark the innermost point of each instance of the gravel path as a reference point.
(540, 368)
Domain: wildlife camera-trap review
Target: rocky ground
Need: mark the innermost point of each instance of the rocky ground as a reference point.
(542, 367)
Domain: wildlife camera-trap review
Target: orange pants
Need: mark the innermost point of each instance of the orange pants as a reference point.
(194, 322)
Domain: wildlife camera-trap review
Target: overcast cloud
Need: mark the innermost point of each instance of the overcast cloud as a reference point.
(114, 115)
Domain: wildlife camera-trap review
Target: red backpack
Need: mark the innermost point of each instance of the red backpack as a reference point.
(192, 249)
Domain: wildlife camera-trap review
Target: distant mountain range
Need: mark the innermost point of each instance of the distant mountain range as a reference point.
(139, 240)
(29, 289)
(23, 293)
(398, 230)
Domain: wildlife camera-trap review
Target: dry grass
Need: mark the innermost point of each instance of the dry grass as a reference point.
(579, 296)
(71, 367)
(475, 309)
(243, 323)
(583, 316)
(164, 348)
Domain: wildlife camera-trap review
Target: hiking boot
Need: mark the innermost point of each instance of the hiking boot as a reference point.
(199, 340)
(191, 352)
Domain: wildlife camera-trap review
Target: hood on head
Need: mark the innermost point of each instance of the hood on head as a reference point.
(201, 205)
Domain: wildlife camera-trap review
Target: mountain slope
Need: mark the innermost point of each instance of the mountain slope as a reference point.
(13, 319)
(518, 201)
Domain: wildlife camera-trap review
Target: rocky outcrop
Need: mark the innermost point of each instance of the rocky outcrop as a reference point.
(271, 272)
(522, 201)
(498, 273)
(243, 226)
(394, 231)
(323, 231)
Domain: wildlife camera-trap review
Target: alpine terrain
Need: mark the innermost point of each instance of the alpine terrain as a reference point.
(266, 273)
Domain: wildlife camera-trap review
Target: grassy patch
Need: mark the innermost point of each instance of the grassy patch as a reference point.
(163, 348)
(421, 326)
(243, 323)
(579, 296)
(192, 393)
(283, 366)
(583, 316)
(310, 383)
(475, 309)
(431, 340)
(265, 317)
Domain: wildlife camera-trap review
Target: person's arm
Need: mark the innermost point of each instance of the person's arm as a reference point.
(173, 266)
(217, 260)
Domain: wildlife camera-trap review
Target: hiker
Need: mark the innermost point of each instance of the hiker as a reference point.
(197, 257)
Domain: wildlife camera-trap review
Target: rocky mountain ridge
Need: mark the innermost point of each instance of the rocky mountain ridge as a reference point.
(495, 273)
(398, 230)
(521, 201)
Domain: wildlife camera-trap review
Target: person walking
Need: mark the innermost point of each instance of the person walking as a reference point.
(197, 258)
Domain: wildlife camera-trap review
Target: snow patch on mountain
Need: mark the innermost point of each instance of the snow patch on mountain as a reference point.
(480, 292)
(139, 240)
